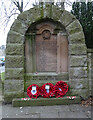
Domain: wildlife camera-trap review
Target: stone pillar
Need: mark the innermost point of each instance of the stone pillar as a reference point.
(14, 67)
(90, 70)
(77, 61)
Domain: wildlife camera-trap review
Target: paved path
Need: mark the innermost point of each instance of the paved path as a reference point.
(57, 111)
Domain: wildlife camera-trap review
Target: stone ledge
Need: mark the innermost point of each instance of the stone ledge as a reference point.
(47, 76)
(17, 102)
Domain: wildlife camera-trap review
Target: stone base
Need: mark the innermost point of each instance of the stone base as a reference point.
(18, 102)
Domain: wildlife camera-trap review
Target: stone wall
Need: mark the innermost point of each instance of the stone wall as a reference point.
(90, 70)
(14, 81)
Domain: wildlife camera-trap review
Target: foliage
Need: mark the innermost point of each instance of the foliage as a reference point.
(84, 13)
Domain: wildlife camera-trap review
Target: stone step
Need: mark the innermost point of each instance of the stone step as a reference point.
(19, 102)
(46, 76)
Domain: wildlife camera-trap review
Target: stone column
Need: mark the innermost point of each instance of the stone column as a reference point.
(14, 67)
(90, 70)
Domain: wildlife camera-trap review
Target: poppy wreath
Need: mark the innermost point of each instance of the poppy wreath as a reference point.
(33, 91)
(60, 89)
(47, 90)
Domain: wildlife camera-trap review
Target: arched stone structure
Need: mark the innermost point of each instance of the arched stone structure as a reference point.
(77, 66)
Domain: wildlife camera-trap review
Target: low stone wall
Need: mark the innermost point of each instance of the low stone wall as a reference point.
(90, 70)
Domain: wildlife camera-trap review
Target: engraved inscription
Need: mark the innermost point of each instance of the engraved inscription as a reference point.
(46, 54)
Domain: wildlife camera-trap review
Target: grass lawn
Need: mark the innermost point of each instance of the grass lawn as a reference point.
(2, 76)
(2, 80)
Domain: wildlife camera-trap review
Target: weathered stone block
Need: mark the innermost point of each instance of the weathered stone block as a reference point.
(67, 18)
(14, 86)
(74, 27)
(14, 73)
(56, 13)
(79, 84)
(8, 96)
(78, 72)
(14, 37)
(47, 11)
(84, 93)
(19, 27)
(15, 49)
(77, 49)
(76, 38)
(78, 61)
(35, 14)
(24, 16)
(14, 61)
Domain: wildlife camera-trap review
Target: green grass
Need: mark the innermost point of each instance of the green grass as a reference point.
(2, 81)
(2, 76)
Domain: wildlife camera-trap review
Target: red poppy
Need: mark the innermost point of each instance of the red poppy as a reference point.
(60, 89)
(33, 91)
(47, 90)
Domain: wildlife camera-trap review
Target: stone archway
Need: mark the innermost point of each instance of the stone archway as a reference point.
(77, 67)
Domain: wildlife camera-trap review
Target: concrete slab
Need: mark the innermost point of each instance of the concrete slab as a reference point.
(56, 111)
(49, 115)
(72, 114)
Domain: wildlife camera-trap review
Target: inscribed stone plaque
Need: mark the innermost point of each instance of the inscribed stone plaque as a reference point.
(46, 54)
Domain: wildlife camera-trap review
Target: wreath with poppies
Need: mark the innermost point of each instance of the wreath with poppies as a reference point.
(47, 90)
(60, 89)
(33, 91)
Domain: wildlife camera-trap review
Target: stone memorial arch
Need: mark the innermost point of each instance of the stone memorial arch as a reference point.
(45, 45)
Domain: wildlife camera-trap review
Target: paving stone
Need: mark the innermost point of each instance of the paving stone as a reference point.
(74, 108)
(49, 115)
(63, 108)
(57, 111)
(23, 116)
(72, 114)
